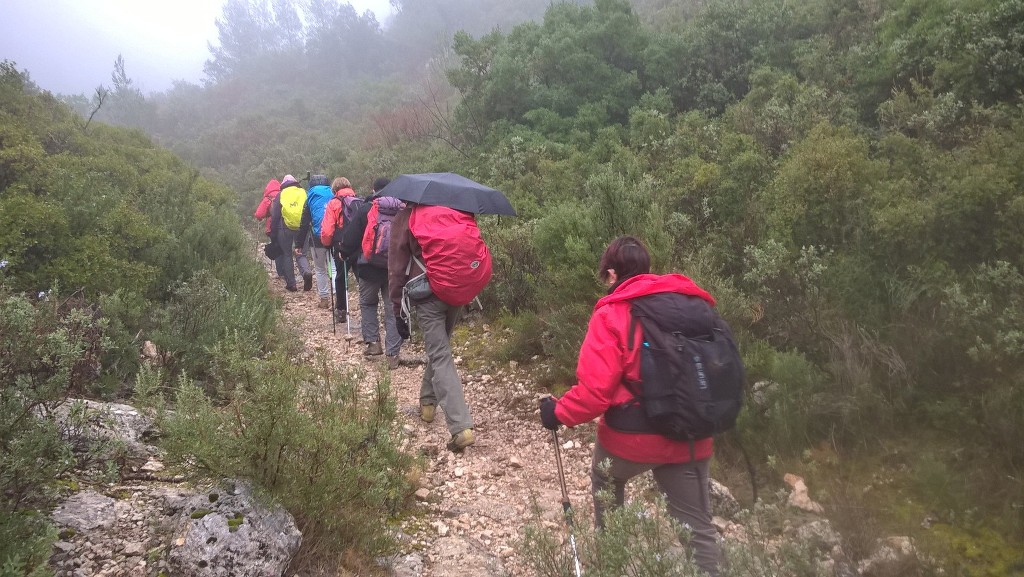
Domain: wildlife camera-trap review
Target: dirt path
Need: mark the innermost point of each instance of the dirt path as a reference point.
(471, 507)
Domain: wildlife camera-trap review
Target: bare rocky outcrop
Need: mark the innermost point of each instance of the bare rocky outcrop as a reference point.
(149, 528)
(226, 531)
(799, 497)
(892, 556)
(154, 526)
(121, 431)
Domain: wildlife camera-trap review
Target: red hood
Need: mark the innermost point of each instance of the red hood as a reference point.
(647, 284)
(272, 189)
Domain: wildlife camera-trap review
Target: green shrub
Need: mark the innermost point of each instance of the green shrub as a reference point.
(640, 539)
(205, 309)
(517, 269)
(307, 436)
(523, 337)
(789, 405)
(26, 541)
(48, 350)
(768, 551)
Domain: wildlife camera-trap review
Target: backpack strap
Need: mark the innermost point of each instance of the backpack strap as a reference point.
(406, 304)
(633, 322)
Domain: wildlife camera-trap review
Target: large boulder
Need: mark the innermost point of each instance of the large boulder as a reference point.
(892, 556)
(227, 531)
(115, 427)
(723, 504)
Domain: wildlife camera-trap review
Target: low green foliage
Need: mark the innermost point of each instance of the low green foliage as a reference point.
(26, 541)
(306, 436)
(641, 540)
(48, 351)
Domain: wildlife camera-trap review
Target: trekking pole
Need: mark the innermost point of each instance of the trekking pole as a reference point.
(348, 324)
(566, 506)
(330, 275)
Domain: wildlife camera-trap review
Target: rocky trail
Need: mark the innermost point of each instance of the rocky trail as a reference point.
(471, 507)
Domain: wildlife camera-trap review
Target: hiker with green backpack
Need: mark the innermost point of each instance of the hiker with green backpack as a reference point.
(286, 216)
(661, 370)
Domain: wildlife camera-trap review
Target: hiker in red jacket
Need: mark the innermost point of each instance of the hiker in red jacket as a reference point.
(606, 363)
(330, 236)
(270, 193)
(263, 212)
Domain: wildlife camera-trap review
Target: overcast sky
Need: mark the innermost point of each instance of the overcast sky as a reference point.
(69, 46)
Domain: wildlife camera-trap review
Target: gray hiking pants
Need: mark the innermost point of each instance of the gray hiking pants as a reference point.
(371, 291)
(286, 238)
(323, 279)
(441, 385)
(686, 488)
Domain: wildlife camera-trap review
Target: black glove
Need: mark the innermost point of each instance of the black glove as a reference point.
(403, 327)
(547, 414)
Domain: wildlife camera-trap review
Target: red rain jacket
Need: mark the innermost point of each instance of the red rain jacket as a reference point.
(606, 363)
(270, 193)
(333, 218)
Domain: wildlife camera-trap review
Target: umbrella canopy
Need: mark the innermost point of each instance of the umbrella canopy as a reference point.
(448, 189)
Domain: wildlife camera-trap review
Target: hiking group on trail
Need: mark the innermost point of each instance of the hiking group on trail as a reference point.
(658, 367)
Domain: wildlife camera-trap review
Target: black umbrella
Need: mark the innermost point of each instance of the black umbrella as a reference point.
(448, 189)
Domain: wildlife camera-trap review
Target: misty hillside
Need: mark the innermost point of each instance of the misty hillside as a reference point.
(846, 177)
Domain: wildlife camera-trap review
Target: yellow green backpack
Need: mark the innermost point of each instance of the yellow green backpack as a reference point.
(293, 199)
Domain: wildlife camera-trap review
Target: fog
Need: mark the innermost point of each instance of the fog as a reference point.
(69, 46)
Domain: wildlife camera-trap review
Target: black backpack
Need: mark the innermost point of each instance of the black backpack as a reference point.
(353, 223)
(691, 373)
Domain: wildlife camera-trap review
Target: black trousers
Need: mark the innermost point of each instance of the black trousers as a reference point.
(340, 282)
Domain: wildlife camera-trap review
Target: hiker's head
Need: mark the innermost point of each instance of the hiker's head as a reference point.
(380, 183)
(318, 180)
(624, 258)
(340, 183)
(288, 180)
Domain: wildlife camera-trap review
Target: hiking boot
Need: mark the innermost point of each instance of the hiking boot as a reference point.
(373, 349)
(461, 440)
(427, 412)
(393, 363)
(307, 282)
(341, 316)
(325, 303)
(290, 288)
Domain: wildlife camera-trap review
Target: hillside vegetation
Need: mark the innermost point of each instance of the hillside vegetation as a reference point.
(109, 241)
(845, 176)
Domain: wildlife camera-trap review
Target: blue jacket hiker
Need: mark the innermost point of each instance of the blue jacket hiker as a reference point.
(319, 195)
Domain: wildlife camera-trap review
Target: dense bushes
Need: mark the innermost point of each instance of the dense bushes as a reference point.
(107, 215)
(48, 351)
(308, 436)
(640, 539)
(847, 179)
(107, 242)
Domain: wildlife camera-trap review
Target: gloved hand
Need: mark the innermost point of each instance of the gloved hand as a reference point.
(547, 414)
(403, 327)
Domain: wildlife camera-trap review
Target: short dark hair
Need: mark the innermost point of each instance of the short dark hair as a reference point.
(627, 256)
(380, 183)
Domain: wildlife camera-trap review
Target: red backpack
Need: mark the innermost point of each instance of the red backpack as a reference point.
(457, 260)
